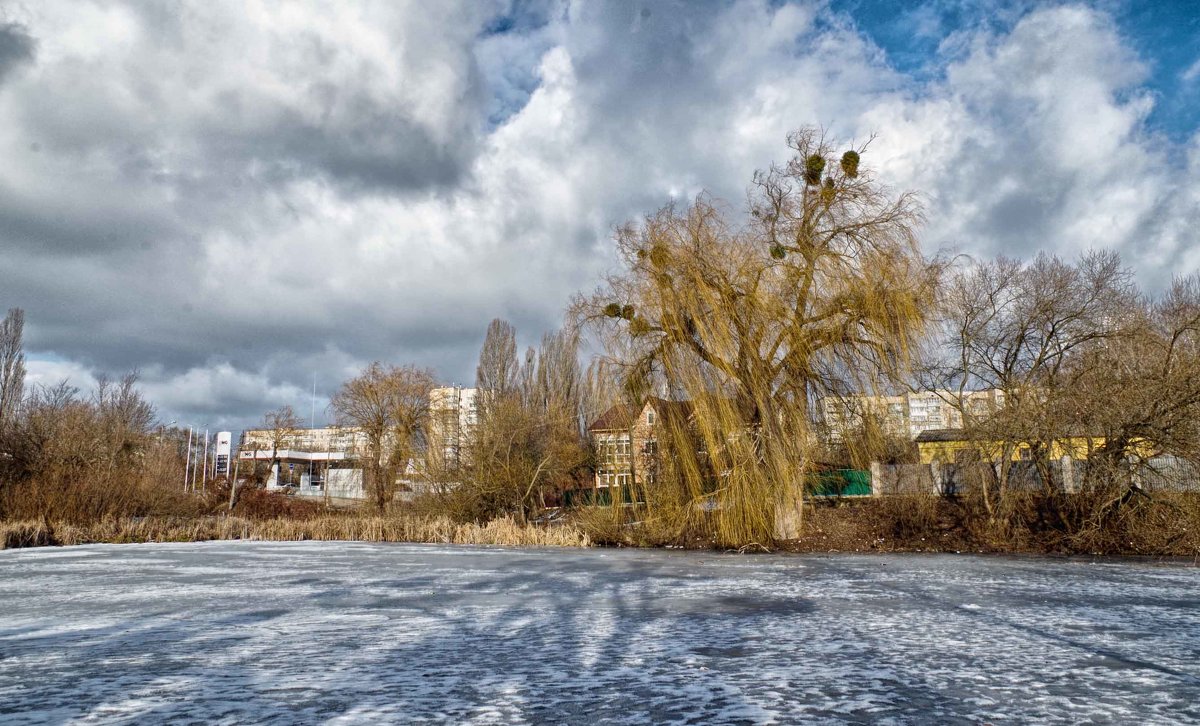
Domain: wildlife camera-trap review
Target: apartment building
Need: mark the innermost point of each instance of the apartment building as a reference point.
(453, 415)
(908, 414)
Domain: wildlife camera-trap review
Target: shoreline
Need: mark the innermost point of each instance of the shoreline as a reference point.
(502, 532)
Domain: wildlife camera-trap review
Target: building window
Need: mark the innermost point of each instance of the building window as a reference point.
(1024, 453)
(650, 417)
(650, 448)
(613, 452)
(622, 450)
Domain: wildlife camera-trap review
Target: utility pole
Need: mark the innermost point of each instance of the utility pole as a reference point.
(196, 466)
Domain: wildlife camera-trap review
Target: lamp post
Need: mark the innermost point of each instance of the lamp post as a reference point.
(188, 462)
(195, 464)
(204, 465)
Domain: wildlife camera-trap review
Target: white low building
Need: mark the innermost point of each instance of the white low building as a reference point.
(314, 462)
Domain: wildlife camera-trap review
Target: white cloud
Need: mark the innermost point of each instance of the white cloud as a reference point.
(1191, 73)
(1034, 144)
(220, 395)
(48, 372)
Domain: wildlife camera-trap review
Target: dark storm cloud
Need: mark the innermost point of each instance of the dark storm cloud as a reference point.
(67, 227)
(17, 47)
(374, 146)
(658, 43)
(133, 156)
(643, 64)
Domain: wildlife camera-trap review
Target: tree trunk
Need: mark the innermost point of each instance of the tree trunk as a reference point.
(789, 516)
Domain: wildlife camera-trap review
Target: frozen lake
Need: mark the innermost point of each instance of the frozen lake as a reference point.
(238, 632)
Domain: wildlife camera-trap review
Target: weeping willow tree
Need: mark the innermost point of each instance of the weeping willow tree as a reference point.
(819, 287)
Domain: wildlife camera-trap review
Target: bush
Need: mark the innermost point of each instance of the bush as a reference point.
(56, 497)
(909, 516)
(79, 459)
(255, 502)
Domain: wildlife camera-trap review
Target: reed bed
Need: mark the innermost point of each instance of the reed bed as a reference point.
(33, 533)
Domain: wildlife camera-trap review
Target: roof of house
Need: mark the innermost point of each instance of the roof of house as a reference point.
(943, 435)
(681, 410)
(931, 435)
(617, 418)
(622, 416)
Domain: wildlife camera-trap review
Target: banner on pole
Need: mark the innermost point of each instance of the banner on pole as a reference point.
(224, 445)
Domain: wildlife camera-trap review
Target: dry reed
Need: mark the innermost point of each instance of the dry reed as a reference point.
(32, 533)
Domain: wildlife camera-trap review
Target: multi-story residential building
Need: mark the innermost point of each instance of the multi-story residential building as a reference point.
(929, 410)
(980, 404)
(907, 414)
(453, 415)
(843, 414)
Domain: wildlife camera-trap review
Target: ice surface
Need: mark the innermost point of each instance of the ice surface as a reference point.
(237, 632)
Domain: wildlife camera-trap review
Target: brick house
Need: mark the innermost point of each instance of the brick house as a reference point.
(625, 438)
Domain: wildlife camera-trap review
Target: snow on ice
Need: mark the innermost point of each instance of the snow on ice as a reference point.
(284, 633)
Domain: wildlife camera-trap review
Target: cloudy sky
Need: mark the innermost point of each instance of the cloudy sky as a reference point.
(236, 197)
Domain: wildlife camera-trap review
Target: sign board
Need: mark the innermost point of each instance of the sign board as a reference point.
(224, 444)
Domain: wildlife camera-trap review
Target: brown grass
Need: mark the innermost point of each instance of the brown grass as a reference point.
(32, 533)
(256, 503)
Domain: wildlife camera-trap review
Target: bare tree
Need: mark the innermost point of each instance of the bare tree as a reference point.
(823, 286)
(530, 442)
(498, 371)
(124, 418)
(390, 405)
(559, 383)
(602, 384)
(281, 425)
(1140, 391)
(498, 376)
(12, 365)
(1024, 330)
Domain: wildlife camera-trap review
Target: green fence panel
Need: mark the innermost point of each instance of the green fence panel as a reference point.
(840, 483)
